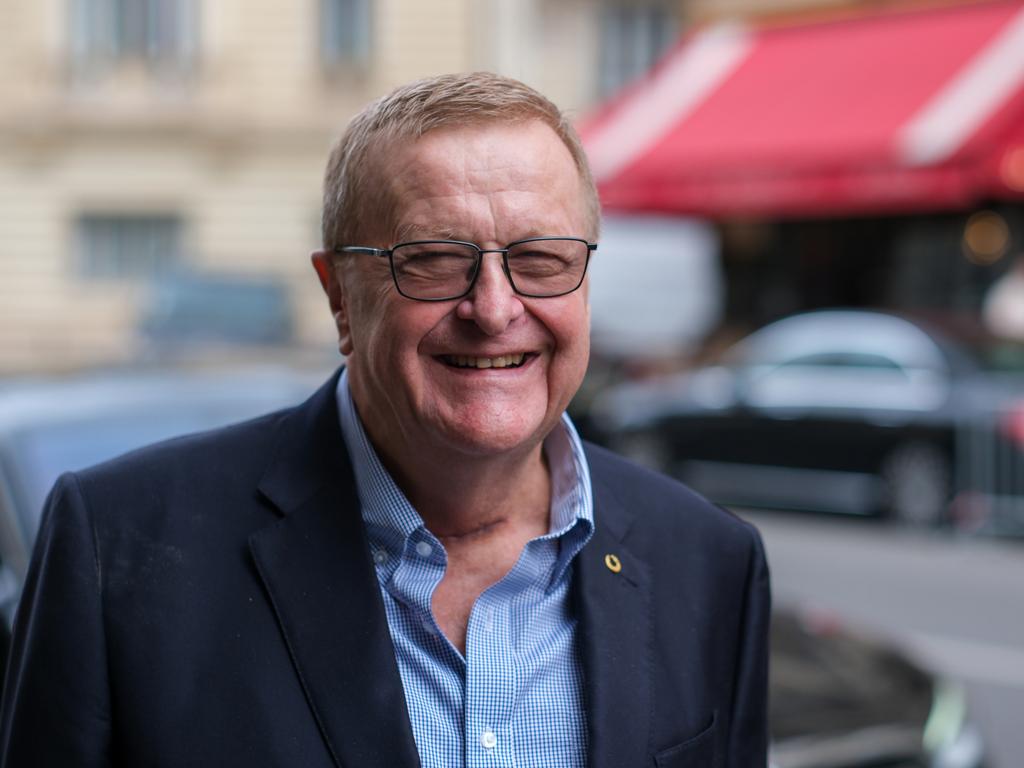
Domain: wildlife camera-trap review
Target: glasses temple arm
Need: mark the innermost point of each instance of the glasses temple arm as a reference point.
(362, 249)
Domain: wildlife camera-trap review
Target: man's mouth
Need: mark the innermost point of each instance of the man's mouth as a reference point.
(502, 361)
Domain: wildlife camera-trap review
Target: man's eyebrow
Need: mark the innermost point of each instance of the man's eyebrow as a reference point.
(405, 233)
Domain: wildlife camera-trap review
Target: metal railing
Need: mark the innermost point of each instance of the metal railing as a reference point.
(988, 478)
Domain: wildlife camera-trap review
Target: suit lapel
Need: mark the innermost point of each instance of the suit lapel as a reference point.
(615, 633)
(316, 567)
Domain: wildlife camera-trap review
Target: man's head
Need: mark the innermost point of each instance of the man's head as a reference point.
(353, 197)
(479, 159)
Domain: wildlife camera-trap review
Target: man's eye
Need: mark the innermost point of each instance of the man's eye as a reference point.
(538, 263)
(434, 262)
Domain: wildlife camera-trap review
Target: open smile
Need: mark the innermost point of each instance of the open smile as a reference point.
(514, 360)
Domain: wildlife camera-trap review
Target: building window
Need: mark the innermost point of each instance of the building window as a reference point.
(633, 36)
(345, 33)
(159, 34)
(128, 245)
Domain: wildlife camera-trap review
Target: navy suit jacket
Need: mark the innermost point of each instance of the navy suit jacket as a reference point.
(212, 601)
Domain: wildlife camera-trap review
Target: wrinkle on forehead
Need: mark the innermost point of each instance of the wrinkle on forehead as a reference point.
(468, 187)
(475, 218)
(474, 161)
(406, 232)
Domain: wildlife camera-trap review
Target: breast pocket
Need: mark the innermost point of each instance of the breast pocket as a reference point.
(696, 752)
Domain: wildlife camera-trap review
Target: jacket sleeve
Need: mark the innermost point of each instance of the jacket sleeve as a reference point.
(748, 736)
(55, 709)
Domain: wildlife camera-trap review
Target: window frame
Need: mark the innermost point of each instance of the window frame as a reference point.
(115, 230)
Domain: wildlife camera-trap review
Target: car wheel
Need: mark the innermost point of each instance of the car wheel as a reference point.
(917, 484)
(645, 448)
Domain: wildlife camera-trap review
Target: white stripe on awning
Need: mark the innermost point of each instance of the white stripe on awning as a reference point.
(678, 88)
(959, 109)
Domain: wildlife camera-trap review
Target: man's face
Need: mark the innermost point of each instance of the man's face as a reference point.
(489, 185)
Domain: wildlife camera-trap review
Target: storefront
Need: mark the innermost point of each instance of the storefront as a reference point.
(862, 161)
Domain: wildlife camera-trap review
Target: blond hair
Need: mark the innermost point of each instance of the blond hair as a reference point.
(352, 199)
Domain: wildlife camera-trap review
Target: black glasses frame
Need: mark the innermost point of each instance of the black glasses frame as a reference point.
(389, 253)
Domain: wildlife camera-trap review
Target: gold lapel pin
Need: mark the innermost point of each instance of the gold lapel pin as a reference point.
(613, 563)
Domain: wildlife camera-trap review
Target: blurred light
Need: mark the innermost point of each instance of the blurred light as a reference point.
(986, 238)
(1013, 169)
(946, 719)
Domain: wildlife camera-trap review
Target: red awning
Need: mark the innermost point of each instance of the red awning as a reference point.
(912, 111)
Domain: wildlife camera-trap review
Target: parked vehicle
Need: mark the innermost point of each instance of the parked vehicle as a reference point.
(190, 308)
(836, 410)
(838, 701)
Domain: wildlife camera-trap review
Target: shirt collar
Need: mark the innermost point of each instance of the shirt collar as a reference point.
(384, 505)
(391, 518)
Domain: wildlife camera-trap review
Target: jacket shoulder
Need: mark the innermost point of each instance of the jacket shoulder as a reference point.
(664, 503)
(193, 470)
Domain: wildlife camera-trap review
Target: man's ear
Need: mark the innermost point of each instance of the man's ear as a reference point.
(333, 284)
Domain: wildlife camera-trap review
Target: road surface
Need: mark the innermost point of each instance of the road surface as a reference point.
(955, 603)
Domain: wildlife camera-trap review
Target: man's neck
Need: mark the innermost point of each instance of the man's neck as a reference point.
(484, 511)
(464, 497)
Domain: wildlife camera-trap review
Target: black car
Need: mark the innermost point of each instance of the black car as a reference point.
(837, 410)
(837, 701)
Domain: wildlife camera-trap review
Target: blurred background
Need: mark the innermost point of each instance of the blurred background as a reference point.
(808, 298)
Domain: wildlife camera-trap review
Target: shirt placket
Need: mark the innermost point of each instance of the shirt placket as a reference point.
(491, 675)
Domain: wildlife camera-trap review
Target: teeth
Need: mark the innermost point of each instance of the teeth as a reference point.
(502, 361)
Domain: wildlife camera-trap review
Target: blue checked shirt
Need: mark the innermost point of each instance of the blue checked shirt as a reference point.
(516, 698)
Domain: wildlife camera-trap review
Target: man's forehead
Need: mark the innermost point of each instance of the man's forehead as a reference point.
(451, 151)
(430, 181)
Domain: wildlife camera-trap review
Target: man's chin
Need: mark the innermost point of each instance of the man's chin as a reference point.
(494, 438)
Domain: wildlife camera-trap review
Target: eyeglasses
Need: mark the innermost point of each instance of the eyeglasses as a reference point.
(441, 270)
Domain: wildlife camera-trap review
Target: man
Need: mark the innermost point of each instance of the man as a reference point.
(422, 564)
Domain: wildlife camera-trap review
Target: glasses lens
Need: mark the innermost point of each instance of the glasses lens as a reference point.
(434, 270)
(548, 267)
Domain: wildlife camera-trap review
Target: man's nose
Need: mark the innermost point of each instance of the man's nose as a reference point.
(492, 304)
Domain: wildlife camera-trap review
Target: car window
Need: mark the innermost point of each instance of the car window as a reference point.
(844, 380)
(862, 340)
(846, 360)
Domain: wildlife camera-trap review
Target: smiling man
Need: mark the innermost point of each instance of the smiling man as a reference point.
(423, 564)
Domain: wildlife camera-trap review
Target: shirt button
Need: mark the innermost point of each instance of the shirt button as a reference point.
(488, 739)
(380, 557)
(423, 549)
